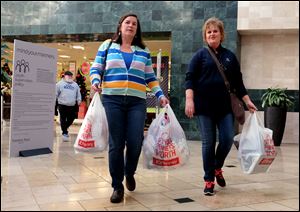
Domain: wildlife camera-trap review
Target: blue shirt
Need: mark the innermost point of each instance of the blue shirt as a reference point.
(127, 58)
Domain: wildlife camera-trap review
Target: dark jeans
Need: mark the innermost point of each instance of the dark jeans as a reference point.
(67, 116)
(126, 120)
(214, 158)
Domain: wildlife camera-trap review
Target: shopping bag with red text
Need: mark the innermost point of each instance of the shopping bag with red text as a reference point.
(256, 146)
(165, 144)
(93, 133)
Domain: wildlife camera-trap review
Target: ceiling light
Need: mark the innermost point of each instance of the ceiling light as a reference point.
(78, 47)
(64, 56)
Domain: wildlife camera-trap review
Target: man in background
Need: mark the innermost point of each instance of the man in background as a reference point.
(69, 98)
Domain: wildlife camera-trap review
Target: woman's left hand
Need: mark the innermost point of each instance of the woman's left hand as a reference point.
(163, 101)
(251, 107)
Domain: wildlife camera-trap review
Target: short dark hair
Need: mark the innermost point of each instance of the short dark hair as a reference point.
(69, 73)
(137, 40)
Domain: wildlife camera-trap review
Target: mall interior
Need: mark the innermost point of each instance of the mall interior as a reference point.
(263, 34)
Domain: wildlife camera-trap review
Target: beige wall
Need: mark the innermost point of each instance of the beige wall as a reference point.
(269, 43)
(270, 50)
(270, 60)
(268, 15)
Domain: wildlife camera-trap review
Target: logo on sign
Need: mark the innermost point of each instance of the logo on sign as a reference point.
(22, 66)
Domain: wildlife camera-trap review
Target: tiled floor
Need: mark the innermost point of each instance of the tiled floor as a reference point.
(67, 181)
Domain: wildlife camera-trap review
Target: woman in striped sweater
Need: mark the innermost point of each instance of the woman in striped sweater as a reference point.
(123, 67)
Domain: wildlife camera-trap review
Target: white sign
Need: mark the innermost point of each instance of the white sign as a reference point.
(33, 97)
(158, 65)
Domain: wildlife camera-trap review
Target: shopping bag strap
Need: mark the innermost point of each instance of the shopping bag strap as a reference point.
(96, 95)
(220, 68)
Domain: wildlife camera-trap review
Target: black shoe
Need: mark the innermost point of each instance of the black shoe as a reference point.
(130, 183)
(117, 196)
(220, 179)
(209, 188)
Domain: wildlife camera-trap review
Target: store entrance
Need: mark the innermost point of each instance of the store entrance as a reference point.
(77, 52)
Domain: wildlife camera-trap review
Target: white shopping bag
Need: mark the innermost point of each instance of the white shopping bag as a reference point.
(256, 146)
(165, 145)
(93, 133)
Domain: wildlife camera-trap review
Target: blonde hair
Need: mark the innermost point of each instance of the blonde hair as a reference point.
(215, 22)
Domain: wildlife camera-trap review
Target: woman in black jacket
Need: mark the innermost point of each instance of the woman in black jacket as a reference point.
(207, 98)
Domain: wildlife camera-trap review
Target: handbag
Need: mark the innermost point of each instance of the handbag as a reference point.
(237, 108)
(236, 104)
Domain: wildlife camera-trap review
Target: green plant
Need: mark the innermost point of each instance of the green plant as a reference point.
(277, 97)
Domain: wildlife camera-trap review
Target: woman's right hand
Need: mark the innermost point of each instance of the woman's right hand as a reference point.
(96, 87)
(189, 108)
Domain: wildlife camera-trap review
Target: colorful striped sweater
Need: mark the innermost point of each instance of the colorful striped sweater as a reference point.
(117, 79)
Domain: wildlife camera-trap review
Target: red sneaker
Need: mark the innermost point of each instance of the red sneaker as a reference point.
(209, 188)
(220, 179)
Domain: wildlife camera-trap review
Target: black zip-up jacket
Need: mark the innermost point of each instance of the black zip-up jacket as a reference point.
(211, 97)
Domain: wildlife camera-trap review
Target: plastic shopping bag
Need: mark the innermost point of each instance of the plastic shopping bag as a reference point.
(236, 141)
(256, 147)
(165, 145)
(93, 133)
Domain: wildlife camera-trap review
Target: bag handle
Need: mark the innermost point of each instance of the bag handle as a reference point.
(220, 68)
(94, 99)
(106, 51)
(259, 121)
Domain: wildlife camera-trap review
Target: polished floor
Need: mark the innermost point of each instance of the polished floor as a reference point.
(66, 181)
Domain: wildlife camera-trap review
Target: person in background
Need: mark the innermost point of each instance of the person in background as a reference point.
(7, 69)
(68, 98)
(125, 75)
(6, 74)
(208, 99)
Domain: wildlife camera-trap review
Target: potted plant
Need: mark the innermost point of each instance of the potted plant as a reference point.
(275, 102)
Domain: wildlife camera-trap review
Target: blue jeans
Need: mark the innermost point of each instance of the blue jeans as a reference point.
(126, 119)
(214, 158)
